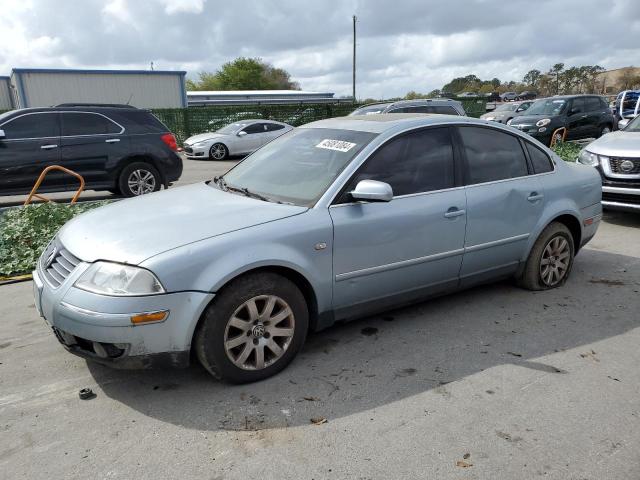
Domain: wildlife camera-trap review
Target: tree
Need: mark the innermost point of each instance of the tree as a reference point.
(245, 74)
(532, 78)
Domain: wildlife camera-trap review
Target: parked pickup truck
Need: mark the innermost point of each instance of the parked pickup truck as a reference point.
(617, 158)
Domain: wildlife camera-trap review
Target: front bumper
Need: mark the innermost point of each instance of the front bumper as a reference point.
(621, 198)
(194, 152)
(98, 327)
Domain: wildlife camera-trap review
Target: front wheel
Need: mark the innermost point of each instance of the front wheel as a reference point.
(252, 329)
(550, 259)
(139, 178)
(218, 151)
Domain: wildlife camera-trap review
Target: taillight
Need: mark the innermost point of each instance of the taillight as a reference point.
(170, 140)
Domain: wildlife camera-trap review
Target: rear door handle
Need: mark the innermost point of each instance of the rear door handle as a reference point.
(112, 140)
(48, 147)
(535, 196)
(454, 212)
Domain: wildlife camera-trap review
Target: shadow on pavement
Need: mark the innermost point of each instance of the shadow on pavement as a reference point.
(372, 362)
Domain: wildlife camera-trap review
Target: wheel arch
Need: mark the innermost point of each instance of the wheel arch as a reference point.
(139, 157)
(289, 273)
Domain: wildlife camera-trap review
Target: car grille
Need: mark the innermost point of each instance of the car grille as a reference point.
(56, 264)
(616, 165)
(621, 198)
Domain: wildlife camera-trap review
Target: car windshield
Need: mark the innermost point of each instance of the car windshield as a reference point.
(548, 106)
(232, 128)
(369, 110)
(506, 107)
(297, 167)
(633, 125)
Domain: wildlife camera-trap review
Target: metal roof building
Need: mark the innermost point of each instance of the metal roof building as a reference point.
(42, 87)
(6, 98)
(263, 97)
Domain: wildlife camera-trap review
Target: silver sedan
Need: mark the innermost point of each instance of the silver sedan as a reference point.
(239, 138)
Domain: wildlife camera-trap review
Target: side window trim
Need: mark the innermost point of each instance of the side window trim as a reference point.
(32, 138)
(457, 168)
(61, 121)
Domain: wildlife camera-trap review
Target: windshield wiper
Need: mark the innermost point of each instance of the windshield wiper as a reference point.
(220, 181)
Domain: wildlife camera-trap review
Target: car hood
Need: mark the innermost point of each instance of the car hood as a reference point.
(132, 230)
(494, 114)
(530, 119)
(203, 137)
(617, 144)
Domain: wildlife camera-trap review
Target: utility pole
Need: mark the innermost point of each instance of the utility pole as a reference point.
(354, 58)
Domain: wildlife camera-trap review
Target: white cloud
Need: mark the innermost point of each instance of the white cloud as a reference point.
(402, 45)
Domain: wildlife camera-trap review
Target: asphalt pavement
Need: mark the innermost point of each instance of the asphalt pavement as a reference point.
(489, 383)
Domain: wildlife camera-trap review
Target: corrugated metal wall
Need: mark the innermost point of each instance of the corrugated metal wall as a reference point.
(5, 94)
(152, 90)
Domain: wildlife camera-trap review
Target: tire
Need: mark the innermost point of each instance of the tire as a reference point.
(228, 328)
(218, 151)
(604, 130)
(555, 238)
(139, 178)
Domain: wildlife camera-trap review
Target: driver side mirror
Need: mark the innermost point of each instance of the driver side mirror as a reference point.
(2, 134)
(573, 111)
(372, 191)
(241, 133)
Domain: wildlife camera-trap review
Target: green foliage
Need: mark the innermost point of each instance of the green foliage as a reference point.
(567, 151)
(245, 74)
(25, 232)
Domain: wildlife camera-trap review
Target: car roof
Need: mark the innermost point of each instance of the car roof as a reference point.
(381, 122)
(568, 97)
(86, 108)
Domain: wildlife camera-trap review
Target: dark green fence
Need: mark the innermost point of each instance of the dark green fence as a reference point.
(184, 122)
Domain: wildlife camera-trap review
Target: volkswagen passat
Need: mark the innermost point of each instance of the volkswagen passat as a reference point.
(334, 220)
(240, 138)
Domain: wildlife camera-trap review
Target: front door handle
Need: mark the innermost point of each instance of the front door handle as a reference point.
(112, 140)
(48, 147)
(535, 196)
(454, 212)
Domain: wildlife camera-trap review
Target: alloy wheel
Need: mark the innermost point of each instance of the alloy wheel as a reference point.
(141, 181)
(555, 261)
(218, 151)
(259, 332)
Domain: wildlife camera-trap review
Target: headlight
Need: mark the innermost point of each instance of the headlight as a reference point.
(543, 122)
(118, 280)
(200, 144)
(587, 158)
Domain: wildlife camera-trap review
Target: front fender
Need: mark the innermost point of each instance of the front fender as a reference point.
(293, 242)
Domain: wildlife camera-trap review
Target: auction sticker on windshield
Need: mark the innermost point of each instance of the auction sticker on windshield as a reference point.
(339, 145)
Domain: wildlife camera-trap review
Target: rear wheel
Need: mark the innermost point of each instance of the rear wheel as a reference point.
(252, 329)
(218, 151)
(604, 130)
(139, 178)
(550, 260)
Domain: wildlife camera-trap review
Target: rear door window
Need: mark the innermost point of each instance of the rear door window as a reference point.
(34, 125)
(592, 104)
(443, 109)
(272, 127)
(491, 155)
(80, 123)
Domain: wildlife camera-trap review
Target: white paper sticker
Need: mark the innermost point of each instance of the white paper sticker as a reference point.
(339, 145)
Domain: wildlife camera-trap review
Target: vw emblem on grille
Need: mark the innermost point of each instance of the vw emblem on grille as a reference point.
(51, 257)
(626, 166)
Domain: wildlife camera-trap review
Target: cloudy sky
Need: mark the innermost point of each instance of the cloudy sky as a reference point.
(402, 44)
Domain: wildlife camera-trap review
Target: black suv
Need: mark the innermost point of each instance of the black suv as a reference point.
(584, 116)
(122, 149)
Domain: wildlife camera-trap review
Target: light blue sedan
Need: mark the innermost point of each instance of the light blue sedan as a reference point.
(335, 220)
